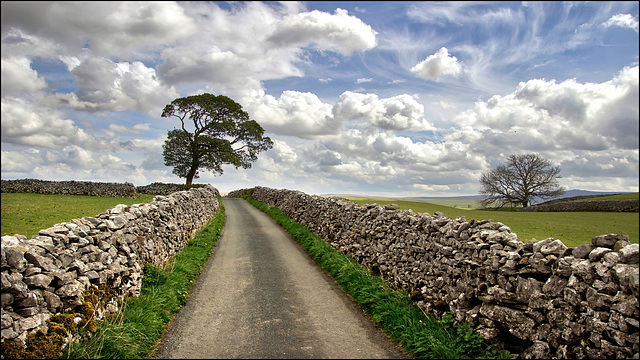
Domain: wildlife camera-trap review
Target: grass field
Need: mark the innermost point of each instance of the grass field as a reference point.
(475, 204)
(28, 213)
(573, 228)
(457, 204)
(629, 196)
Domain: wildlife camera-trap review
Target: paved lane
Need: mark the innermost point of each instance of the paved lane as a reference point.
(262, 296)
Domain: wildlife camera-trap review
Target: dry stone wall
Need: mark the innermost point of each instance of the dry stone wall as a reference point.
(48, 273)
(540, 298)
(631, 205)
(69, 187)
(158, 188)
(73, 187)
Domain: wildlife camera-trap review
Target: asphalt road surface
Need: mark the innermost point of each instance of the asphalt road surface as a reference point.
(261, 296)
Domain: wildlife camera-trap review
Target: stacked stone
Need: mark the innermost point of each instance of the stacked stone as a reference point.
(540, 298)
(631, 205)
(69, 187)
(238, 193)
(158, 188)
(48, 273)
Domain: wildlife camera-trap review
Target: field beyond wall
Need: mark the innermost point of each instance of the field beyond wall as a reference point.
(26, 214)
(572, 228)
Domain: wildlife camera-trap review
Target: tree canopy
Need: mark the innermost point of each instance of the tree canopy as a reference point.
(215, 131)
(522, 178)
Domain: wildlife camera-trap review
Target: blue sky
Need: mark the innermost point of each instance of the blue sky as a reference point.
(380, 98)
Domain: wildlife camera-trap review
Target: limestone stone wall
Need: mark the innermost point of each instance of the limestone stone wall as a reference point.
(539, 298)
(631, 205)
(48, 273)
(158, 188)
(69, 187)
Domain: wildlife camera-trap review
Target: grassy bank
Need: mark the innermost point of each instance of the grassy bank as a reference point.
(573, 228)
(135, 331)
(421, 335)
(28, 213)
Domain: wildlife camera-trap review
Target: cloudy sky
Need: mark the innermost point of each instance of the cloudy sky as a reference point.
(380, 98)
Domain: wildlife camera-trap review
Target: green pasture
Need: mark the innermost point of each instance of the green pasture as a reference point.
(629, 196)
(457, 204)
(573, 228)
(27, 213)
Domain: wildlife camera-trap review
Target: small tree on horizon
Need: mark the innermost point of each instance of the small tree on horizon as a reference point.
(519, 180)
(222, 134)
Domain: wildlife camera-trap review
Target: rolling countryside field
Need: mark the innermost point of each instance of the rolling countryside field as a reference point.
(26, 214)
(573, 228)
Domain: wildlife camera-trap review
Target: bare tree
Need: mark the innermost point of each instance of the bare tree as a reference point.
(519, 180)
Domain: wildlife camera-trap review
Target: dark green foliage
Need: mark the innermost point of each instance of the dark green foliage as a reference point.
(222, 134)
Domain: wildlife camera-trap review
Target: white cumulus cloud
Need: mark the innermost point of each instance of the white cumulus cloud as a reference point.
(622, 20)
(339, 32)
(437, 65)
(19, 78)
(562, 121)
(294, 113)
(24, 124)
(105, 85)
(119, 29)
(400, 112)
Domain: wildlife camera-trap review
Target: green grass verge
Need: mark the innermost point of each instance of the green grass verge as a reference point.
(28, 213)
(422, 336)
(573, 228)
(135, 331)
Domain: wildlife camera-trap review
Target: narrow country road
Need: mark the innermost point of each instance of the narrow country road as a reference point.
(261, 296)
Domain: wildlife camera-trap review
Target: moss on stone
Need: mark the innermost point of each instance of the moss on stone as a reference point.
(49, 345)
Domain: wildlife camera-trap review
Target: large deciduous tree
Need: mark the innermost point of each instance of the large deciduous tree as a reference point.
(519, 180)
(215, 131)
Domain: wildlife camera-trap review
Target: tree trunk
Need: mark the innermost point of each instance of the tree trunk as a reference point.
(192, 173)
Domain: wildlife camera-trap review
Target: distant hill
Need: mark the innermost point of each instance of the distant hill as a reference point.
(567, 194)
(466, 197)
